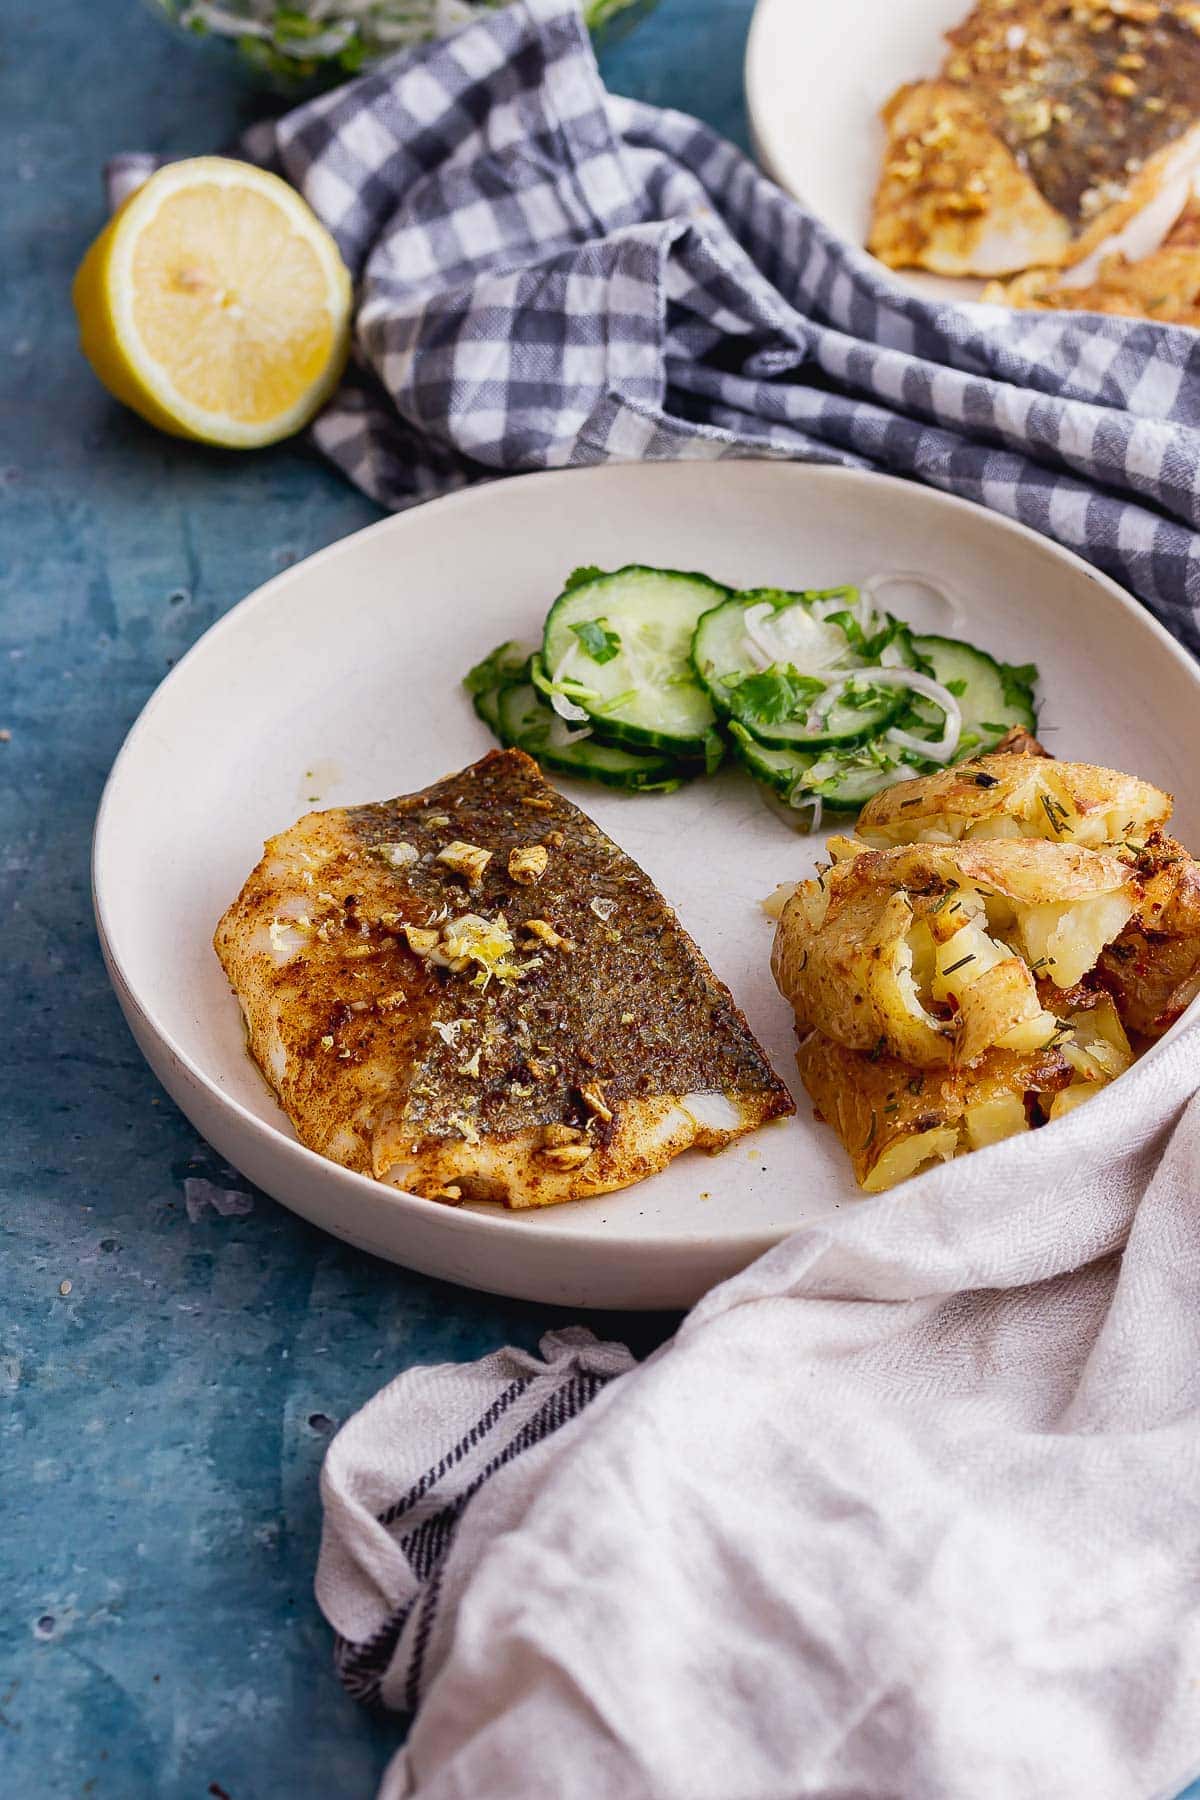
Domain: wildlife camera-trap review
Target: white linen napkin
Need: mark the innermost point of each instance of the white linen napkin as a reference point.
(909, 1508)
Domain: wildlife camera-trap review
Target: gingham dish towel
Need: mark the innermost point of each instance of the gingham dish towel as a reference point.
(550, 276)
(910, 1510)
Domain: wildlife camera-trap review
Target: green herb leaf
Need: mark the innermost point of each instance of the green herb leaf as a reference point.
(957, 687)
(601, 643)
(577, 577)
(776, 693)
(506, 664)
(1018, 680)
(1056, 813)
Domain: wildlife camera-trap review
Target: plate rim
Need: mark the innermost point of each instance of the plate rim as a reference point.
(537, 1221)
(912, 283)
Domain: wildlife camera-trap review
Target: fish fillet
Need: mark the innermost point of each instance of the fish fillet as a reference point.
(1165, 285)
(1052, 125)
(473, 993)
(952, 197)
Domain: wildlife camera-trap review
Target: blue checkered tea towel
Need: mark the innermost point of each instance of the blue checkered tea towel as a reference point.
(550, 276)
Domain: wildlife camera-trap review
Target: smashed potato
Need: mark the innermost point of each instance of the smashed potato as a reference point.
(970, 965)
(932, 952)
(1018, 795)
(1153, 968)
(894, 1121)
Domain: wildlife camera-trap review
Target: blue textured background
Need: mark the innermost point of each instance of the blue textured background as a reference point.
(162, 1423)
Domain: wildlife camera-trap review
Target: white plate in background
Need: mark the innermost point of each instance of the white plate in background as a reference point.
(341, 678)
(816, 78)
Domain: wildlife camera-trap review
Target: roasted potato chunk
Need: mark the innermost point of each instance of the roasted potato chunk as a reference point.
(894, 1121)
(930, 952)
(1018, 795)
(969, 966)
(1153, 968)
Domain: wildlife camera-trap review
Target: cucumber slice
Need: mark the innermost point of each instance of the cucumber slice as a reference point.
(993, 695)
(843, 780)
(506, 663)
(527, 723)
(768, 656)
(487, 707)
(711, 752)
(857, 776)
(783, 771)
(619, 647)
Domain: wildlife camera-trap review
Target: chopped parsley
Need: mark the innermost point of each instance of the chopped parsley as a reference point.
(773, 694)
(598, 639)
(578, 577)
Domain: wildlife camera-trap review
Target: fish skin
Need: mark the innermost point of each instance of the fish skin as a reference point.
(371, 1049)
(1064, 83)
(951, 197)
(1051, 125)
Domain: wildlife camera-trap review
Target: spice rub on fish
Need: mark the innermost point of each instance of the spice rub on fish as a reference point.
(472, 993)
(1051, 125)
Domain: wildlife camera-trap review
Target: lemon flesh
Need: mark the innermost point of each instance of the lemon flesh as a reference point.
(216, 304)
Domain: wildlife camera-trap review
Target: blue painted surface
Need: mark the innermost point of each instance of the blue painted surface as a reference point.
(162, 1423)
(162, 1419)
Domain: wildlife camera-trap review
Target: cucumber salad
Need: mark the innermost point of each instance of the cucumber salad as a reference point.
(646, 678)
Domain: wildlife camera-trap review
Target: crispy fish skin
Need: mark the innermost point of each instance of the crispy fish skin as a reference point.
(952, 198)
(430, 1018)
(1097, 99)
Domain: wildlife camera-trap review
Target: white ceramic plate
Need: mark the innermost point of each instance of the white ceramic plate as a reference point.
(816, 77)
(340, 679)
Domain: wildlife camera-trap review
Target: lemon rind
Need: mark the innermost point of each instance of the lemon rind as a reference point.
(137, 216)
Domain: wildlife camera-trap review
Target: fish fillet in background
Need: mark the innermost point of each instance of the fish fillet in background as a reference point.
(473, 993)
(1052, 125)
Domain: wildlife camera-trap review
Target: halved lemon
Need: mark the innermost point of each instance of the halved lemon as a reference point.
(216, 304)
